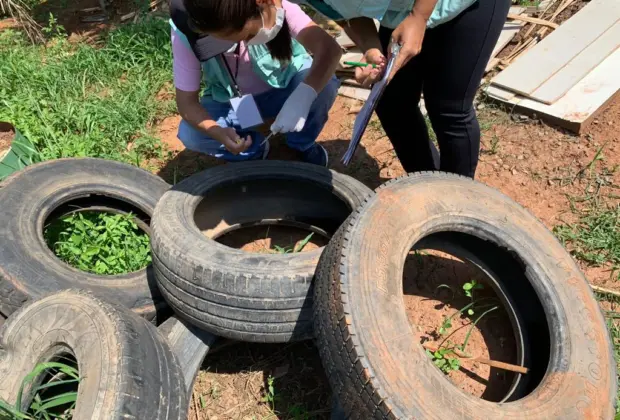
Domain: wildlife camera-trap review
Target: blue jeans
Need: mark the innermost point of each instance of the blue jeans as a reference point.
(269, 103)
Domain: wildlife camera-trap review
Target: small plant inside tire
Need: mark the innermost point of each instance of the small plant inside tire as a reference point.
(79, 223)
(54, 395)
(261, 294)
(99, 242)
(375, 362)
(469, 333)
(72, 355)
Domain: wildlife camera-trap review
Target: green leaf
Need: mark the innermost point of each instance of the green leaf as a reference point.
(303, 243)
(59, 400)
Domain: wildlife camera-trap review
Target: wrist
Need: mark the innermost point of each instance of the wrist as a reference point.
(307, 91)
(420, 14)
(214, 131)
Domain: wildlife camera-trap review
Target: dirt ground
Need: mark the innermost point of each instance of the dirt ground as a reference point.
(541, 167)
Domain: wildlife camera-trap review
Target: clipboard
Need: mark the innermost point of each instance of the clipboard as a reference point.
(361, 122)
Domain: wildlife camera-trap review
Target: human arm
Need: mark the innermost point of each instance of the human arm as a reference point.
(189, 107)
(410, 33)
(325, 52)
(187, 74)
(326, 56)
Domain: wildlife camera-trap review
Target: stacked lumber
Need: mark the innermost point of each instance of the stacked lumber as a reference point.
(568, 75)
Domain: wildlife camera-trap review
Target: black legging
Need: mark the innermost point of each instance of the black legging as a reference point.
(448, 71)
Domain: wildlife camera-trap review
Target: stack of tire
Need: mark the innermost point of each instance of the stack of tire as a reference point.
(347, 296)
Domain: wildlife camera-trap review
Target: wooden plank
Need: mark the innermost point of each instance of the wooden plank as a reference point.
(535, 21)
(532, 69)
(576, 69)
(354, 92)
(582, 102)
(511, 29)
(496, 92)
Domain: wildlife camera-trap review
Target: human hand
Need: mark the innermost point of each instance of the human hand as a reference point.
(229, 138)
(294, 112)
(368, 75)
(409, 34)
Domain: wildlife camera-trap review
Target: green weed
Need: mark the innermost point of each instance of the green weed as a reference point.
(270, 393)
(298, 248)
(445, 364)
(47, 404)
(78, 100)
(595, 238)
(485, 305)
(100, 243)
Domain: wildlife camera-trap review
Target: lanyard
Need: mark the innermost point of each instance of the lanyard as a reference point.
(233, 78)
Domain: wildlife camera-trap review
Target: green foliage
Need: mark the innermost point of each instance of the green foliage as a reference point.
(58, 406)
(445, 364)
(300, 246)
(595, 238)
(484, 304)
(270, 393)
(77, 99)
(100, 243)
(21, 154)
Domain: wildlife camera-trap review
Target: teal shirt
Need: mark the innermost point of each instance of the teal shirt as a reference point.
(389, 12)
(217, 81)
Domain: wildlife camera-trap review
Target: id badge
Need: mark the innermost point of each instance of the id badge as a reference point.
(246, 110)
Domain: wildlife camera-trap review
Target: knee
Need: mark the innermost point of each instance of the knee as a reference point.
(449, 113)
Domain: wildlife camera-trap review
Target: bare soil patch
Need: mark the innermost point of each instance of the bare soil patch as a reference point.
(274, 239)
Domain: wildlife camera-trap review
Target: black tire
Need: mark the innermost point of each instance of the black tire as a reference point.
(126, 368)
(189, 344)
(232, 293)
(374, 364)
(29, 269)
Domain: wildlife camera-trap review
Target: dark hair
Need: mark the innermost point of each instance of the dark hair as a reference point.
(232, 15)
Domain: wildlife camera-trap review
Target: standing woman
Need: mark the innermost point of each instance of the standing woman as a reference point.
(446, 45)
(256, 50)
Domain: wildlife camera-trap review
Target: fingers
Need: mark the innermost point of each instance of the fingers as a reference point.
(366, 76)
(235, 144)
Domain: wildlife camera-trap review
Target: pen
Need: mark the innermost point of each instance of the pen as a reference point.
(358, 64)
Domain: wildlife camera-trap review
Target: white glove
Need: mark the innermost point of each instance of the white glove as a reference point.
(292, 116)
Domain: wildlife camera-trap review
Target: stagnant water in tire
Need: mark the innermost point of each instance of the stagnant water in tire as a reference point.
(99, 242)
(273, 239)
(436, 300)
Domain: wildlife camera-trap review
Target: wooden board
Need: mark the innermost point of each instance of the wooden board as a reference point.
(531, 70)
(508, 32)
(576, 69)
(581, 103)
(354, 92)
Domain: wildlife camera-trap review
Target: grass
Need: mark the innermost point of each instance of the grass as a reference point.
(595, 237)
(293, 249)
(100, 243)
(53, 399)
(83, 100)
(446, 348)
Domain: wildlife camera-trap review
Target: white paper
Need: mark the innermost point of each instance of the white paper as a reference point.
(247, 112)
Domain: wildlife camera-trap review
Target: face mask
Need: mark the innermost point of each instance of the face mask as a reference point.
(265, 35)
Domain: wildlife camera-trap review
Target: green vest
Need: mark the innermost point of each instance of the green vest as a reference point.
(218, 83)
